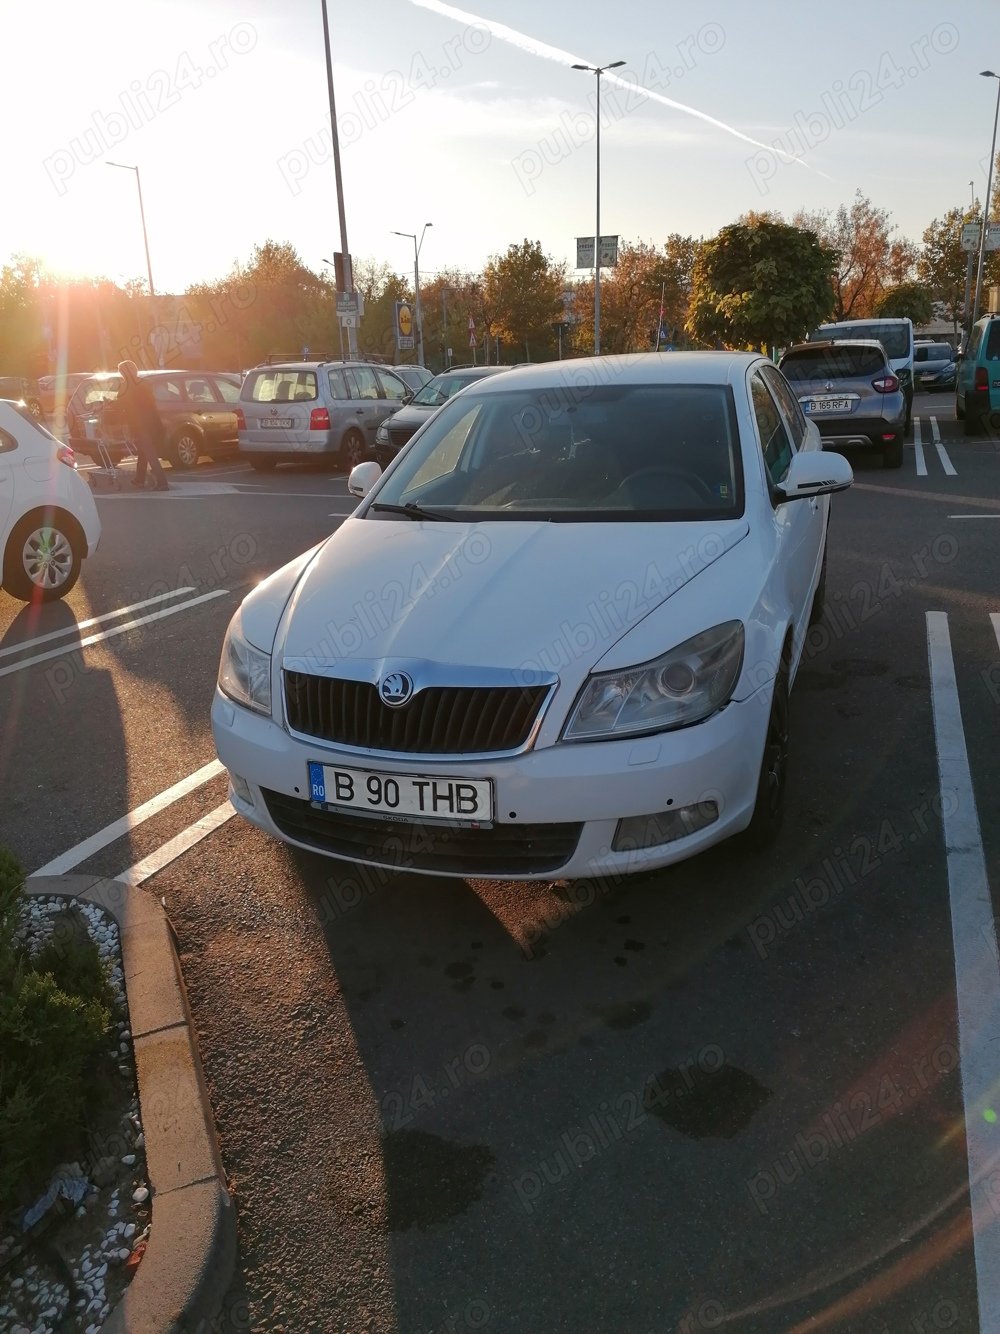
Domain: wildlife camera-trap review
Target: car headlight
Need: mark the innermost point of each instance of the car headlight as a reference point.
(681, 687)
(244, 671)
(382, 434)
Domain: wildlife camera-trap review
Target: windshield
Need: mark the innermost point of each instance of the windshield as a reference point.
(440, 389)
(623, 452)
(844, 362)
(893, 335)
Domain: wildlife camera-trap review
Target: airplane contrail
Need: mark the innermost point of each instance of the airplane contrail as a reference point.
(536, 48)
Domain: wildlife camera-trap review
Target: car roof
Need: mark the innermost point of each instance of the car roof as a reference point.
(832, 343)
(316, 365)
(688, 368)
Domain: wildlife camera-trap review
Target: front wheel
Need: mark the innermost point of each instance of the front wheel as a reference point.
(352, 450)
(41, 562)
(185, 450)
(769, 808)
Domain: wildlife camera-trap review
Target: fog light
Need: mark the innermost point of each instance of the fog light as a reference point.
(241, 788)
(648, 831)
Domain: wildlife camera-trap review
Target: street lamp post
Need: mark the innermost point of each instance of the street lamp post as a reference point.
(352, 342)
(416, 287)
(145, 239)
(598, 70)
(986, 74)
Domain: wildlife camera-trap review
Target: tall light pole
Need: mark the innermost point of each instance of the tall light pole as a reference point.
(598, 70)
(145, 239)
(416, 287)
(352, 343)
(986, 74)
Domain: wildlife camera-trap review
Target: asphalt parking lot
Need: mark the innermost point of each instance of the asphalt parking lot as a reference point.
(729, 1096)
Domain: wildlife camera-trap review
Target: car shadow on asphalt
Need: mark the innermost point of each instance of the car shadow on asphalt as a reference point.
(65, 697)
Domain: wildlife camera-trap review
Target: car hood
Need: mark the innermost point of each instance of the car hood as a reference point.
(414, 415)
(499, 595)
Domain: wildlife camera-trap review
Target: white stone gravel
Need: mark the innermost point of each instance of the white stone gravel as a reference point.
(37, 1302)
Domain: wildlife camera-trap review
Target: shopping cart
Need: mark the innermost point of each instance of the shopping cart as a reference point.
(114, 446)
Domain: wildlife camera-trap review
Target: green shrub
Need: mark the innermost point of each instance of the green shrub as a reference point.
(55, 1011)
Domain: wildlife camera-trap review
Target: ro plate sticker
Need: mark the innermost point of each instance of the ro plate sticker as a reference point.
(317, 785)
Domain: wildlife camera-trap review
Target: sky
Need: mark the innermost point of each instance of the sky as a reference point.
(470, 117)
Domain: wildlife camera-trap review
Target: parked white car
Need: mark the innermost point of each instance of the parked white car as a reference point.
(48, 519)
(556, 638)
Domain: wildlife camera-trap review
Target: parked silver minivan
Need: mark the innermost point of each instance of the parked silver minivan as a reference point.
(295, 411)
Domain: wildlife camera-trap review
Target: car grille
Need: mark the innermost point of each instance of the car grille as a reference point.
(439, 720)
(400, 434)
(510, 849)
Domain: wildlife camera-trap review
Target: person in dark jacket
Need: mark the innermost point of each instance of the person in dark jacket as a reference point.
(137, 408)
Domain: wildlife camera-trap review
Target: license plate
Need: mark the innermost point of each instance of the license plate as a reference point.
(828, 405)
(402, 796)
(284, 422)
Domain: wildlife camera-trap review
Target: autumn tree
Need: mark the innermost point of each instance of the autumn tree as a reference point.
(905, 301)
(522, 298)
(944, 267)
(630, 297)
(861, 235)
(760, 284)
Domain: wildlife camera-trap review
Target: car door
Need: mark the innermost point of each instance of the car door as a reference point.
(804, 436)
(228, 390)
(797, 523)
(966, 375)
(204, 407)
(368, 404)
(8, 485)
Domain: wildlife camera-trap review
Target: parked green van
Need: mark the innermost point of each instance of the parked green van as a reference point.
(977, 384)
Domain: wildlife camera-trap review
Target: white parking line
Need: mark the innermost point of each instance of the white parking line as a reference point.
(918, 448)
(974, 516)
(942, 452)
(977, 968)
(995, 618)
(92, 620)
(110, 634)
(112, 832)
(181, 843)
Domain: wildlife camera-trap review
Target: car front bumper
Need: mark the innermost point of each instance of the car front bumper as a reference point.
(592, 785)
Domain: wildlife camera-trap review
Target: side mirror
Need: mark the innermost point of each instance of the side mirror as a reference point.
(816, 474)
(363, 477)
(408, 397)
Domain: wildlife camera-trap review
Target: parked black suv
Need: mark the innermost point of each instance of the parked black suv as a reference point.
(197, 408)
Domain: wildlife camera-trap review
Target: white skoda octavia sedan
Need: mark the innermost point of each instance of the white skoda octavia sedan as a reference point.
(557, 636)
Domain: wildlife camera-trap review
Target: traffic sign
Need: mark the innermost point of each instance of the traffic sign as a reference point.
(349, 321)
(347, 303)
(972, 232)
(585, 252)
(472, 325)
(472, 339)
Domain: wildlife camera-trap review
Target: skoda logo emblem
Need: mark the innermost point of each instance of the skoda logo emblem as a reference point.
(395, 689)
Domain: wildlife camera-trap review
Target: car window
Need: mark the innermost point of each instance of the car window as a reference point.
(228, 390)
(977, 337)
(993, 342)
(338, 385)
(7, 442)
(774, 442)
(641, 452)
(839, 362)
(279, 386)
(167, 391)
(363, 379)
(790, 406)
(392, 387)
(199, 390)
(921, 354)
(100, 391)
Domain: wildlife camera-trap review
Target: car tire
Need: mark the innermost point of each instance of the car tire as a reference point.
(769, 807)
(352, 450)
(263, 465)
(972, 423)
(892, 453)
(43, 558)
(185, 449)
(35, 408)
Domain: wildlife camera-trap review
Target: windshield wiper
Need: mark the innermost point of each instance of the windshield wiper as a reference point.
(412, 511)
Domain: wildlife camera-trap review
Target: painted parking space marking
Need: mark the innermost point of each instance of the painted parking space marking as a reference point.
(918, 448)
(68, 630)
(946, 462)
(177, 846)
(977, 967)
(23, 663)
(111, 833)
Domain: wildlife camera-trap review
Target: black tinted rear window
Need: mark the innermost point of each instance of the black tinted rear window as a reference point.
(993, 342)
(832, 363)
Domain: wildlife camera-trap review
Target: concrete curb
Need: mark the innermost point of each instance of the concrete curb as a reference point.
(189, 1261)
